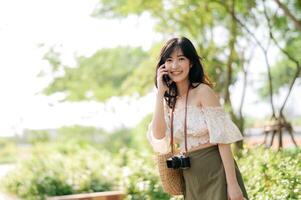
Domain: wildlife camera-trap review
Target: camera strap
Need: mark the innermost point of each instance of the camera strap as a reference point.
(185, 125)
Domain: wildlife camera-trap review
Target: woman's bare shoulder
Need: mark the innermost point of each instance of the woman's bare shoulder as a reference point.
(206, 96)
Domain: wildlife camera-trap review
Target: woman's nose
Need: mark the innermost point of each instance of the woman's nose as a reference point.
(174, 64)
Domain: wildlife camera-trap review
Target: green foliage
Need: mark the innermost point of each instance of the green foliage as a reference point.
(51, 171)
(198, 20)
(76, 133)
(118, 9)
(288, 38)
(140, 180)
(80, 134)
(272, 175)
(70, 168)
(103, 75)
(99, 138)
(67, 168)
(282, 74)
(37, 136)
(146, 73)
(138, 135)
(97, 77)
(85, 159)
(8, 151)
(118, 139)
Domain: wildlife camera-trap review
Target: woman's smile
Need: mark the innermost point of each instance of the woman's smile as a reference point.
(176, 73)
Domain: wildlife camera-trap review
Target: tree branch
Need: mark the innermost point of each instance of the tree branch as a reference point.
(260, 46)
(232, 41)
(287, 54)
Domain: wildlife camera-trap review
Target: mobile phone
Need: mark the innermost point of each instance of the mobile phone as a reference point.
(166, 78)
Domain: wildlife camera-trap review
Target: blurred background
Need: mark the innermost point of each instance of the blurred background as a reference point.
(77, 84)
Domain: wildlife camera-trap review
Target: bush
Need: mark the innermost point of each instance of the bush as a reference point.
(37, 136)
(78, 167)
(61, 173)
(272, 175)
(73, 168)
(8, 151)
(140, 180)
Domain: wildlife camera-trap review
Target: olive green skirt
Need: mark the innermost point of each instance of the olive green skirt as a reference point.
(206, 179)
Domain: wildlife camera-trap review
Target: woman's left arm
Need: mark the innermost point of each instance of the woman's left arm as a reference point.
(228, 162)
(208, 98)
(234, 191)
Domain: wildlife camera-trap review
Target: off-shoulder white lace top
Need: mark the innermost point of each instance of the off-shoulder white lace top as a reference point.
(204, 125)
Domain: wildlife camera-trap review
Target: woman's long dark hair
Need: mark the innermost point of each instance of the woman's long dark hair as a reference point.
(196, 74)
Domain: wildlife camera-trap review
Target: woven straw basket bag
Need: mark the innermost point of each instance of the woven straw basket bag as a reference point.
(171, 179)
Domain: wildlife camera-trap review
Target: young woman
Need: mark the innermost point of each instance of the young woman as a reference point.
(180, 78)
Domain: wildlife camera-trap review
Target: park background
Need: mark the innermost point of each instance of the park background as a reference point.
(77, 83)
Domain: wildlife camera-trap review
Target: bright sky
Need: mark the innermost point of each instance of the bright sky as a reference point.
(67, 24)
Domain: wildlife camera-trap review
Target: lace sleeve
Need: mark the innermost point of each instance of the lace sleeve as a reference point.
(160, 145)
(220, 126)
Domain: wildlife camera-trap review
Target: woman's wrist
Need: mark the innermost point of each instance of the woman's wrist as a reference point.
(232, 181)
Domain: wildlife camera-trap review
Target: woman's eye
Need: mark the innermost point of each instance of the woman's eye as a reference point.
(168, 60)
(182, 58)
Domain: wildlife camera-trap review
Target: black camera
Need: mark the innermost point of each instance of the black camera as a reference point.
(178, 161)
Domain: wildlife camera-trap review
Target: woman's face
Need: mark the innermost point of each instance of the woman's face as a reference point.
(178, 66)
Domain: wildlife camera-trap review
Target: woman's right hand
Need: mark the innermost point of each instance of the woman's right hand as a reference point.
(162, 87)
